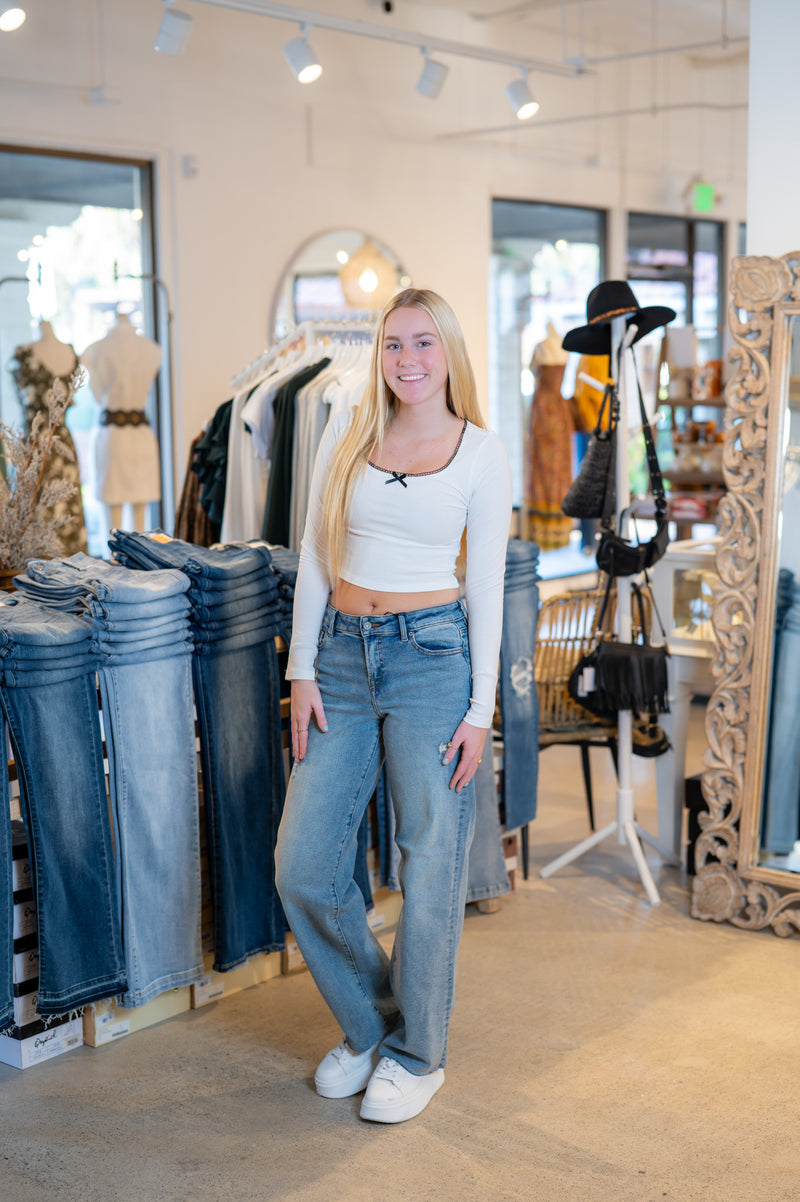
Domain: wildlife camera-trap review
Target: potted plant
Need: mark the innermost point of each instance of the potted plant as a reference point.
(28, 527)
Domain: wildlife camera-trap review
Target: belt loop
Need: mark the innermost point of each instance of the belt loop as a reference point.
(330, 620)
(401, 622)
(463, 606)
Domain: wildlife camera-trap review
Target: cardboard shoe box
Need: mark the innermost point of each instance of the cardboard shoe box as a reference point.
(26, 959)
(26, 1001)
(20, 861)
(24, 913)
(22, 1047)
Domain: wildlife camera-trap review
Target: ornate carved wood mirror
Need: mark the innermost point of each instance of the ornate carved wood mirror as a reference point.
(748, 853)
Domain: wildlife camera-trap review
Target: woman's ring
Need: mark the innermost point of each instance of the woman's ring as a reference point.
(301, 730)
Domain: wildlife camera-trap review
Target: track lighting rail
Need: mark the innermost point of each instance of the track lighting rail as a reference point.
(404, 37)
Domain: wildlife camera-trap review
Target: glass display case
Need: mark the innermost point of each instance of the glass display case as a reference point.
(684, 582)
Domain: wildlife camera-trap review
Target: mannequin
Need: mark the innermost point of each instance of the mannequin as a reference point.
(122, 367)
(548, 453)
(34, 368)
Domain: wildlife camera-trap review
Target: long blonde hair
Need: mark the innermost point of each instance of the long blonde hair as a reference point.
(374, 412)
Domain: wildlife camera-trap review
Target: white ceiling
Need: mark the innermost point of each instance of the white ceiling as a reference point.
(619, 25)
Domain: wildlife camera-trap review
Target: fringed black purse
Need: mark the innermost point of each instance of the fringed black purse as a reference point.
(614, 676)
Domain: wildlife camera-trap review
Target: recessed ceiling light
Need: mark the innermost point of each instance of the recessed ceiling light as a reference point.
(11, 19)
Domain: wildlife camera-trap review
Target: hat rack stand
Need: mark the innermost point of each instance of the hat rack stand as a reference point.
(624, 825)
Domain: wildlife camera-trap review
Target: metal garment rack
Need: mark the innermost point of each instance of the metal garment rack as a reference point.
(624, 826)
(306, 334)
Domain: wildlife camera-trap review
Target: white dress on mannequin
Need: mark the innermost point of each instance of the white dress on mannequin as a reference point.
(122, 367)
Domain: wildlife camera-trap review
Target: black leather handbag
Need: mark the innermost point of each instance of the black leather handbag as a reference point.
(592, 493)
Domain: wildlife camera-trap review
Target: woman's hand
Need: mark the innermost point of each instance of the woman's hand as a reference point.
(306, 704)
(467, 743)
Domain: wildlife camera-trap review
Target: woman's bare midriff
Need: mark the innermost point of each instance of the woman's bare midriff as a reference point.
(353, 599)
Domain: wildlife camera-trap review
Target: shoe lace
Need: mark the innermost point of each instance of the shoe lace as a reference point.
(387, 1068)
(342, 1050)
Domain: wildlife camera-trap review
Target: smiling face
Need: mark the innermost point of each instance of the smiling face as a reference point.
(413, 358)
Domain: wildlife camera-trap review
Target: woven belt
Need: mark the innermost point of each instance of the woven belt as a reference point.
(123, 417)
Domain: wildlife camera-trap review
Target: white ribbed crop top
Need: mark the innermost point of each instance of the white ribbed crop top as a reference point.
(404, 535)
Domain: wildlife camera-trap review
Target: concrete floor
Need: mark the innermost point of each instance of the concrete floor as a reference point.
(601, 1049)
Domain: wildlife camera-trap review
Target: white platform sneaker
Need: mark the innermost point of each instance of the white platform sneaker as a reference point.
(343, 1073)
(394, 1094)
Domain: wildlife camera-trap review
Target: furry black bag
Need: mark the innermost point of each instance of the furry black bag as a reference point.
(614, 676)
(591, 494)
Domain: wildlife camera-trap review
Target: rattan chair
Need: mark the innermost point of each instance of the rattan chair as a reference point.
(565, 633)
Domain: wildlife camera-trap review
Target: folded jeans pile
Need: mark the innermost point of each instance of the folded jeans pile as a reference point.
(141, 648)
(48, 699)
(236, 612)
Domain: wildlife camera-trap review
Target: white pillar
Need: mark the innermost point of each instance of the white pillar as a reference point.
(773, 164)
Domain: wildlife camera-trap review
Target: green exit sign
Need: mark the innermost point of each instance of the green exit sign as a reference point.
(703, 198)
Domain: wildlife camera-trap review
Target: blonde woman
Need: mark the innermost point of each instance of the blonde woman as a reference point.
(387, 662)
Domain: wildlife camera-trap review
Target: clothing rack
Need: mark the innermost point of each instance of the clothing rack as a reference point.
(306, 334)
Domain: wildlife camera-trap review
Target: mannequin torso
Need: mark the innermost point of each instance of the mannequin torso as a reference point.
(122, 367)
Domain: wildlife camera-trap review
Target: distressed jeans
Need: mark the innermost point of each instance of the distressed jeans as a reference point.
(519, 701)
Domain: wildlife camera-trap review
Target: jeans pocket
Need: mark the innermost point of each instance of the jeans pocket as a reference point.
(438, 638)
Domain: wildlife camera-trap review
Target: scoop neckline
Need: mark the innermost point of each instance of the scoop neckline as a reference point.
(387, 471)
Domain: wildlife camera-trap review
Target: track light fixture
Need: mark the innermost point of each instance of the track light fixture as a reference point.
(302, 59)
(431, 80)
(173, 34)
(519, 97)
(11, 19)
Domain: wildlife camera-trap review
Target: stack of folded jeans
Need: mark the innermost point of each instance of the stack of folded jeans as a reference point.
(141, 646)
(519, 701)
(48, 696)
(285, 563)
(236, 612)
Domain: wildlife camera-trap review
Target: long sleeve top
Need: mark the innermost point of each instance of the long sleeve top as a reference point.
(404, 535)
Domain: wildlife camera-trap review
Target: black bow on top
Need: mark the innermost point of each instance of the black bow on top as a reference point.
(399, 476)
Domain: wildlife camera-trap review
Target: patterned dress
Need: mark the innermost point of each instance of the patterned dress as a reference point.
(33, 380)
(548, 460)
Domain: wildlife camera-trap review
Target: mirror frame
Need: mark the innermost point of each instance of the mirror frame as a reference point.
(298, 253)
(730, 885)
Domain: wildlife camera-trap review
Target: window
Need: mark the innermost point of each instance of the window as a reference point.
(677, 261)
(545, 261)
(79, 239)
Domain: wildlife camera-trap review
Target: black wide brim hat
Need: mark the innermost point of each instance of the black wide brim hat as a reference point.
(613, 298)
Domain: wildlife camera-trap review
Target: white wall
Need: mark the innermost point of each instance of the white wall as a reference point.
(773, 226)
(276, 162)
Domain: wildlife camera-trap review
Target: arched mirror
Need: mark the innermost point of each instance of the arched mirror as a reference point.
(337, 275)
(749, 850)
